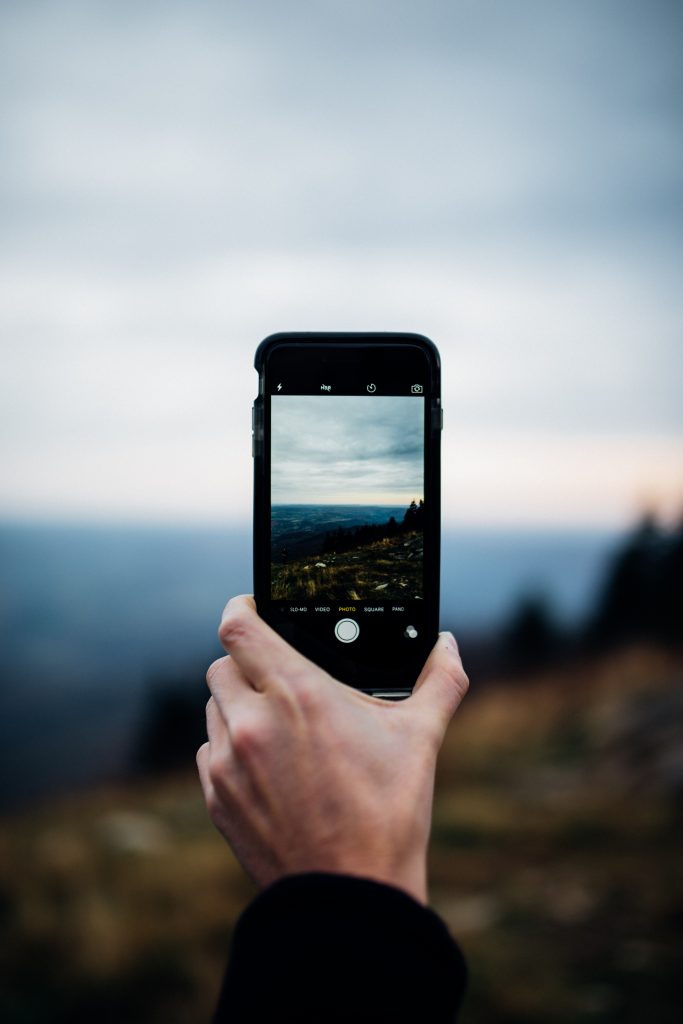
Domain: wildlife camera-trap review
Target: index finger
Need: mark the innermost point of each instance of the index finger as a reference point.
(265, 659)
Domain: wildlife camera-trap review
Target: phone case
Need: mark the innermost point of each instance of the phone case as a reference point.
(396, 682)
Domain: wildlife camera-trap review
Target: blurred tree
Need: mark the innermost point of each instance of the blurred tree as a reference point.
(625, 604)
(669, 596)
(173, 725)
(532, 639)
(642, 598)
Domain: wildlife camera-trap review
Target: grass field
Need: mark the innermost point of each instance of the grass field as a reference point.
(388, 569)
(555, 860)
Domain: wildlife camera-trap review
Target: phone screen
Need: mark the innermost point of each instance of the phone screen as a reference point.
(347, 500)
(350, 530)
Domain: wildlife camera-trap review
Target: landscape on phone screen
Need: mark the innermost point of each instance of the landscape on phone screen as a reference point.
(347, 497)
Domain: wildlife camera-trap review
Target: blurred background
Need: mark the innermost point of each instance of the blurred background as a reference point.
(178, 181)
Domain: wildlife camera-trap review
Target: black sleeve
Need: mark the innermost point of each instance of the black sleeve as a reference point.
(324, 948)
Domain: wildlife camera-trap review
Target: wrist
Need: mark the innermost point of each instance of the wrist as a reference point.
(408, 875)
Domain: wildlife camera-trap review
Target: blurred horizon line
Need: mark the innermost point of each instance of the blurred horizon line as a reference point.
(213, 525)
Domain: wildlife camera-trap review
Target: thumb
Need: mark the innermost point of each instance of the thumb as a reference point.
(442, 683)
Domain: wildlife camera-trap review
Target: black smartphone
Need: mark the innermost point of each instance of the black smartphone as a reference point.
(347, 437)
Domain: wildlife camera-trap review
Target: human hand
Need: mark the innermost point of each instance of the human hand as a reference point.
(302, 773)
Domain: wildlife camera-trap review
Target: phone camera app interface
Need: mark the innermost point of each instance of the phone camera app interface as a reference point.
(347, 506)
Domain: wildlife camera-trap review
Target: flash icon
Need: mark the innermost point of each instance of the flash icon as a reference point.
(279, 387)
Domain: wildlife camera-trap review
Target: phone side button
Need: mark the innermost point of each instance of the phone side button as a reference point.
(347, 630)
(437, 417)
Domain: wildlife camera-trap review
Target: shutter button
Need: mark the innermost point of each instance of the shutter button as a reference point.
(347, 630)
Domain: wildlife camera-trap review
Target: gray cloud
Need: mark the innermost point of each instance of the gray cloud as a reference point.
(177, 181)
(166, 132)
(346, 449)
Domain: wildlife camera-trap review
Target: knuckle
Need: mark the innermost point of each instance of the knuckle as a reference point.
(215, 667)
(220, 769)
(457, 682)
(305, 693)
(202, 753)
(454, 675)
(214, 806)
(249, 737)
(462, 681)
(233, 628)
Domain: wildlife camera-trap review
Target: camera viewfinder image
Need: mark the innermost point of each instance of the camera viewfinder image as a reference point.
(347, 497)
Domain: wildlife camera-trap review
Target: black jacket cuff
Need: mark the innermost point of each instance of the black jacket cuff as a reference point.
(325, 947)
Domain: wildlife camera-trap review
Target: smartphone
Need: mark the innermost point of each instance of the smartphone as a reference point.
(346, 442)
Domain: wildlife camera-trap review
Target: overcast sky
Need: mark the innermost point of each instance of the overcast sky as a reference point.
(347, 449)
(179, 180)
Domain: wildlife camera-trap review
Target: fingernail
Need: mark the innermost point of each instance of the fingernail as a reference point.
(451, 642)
